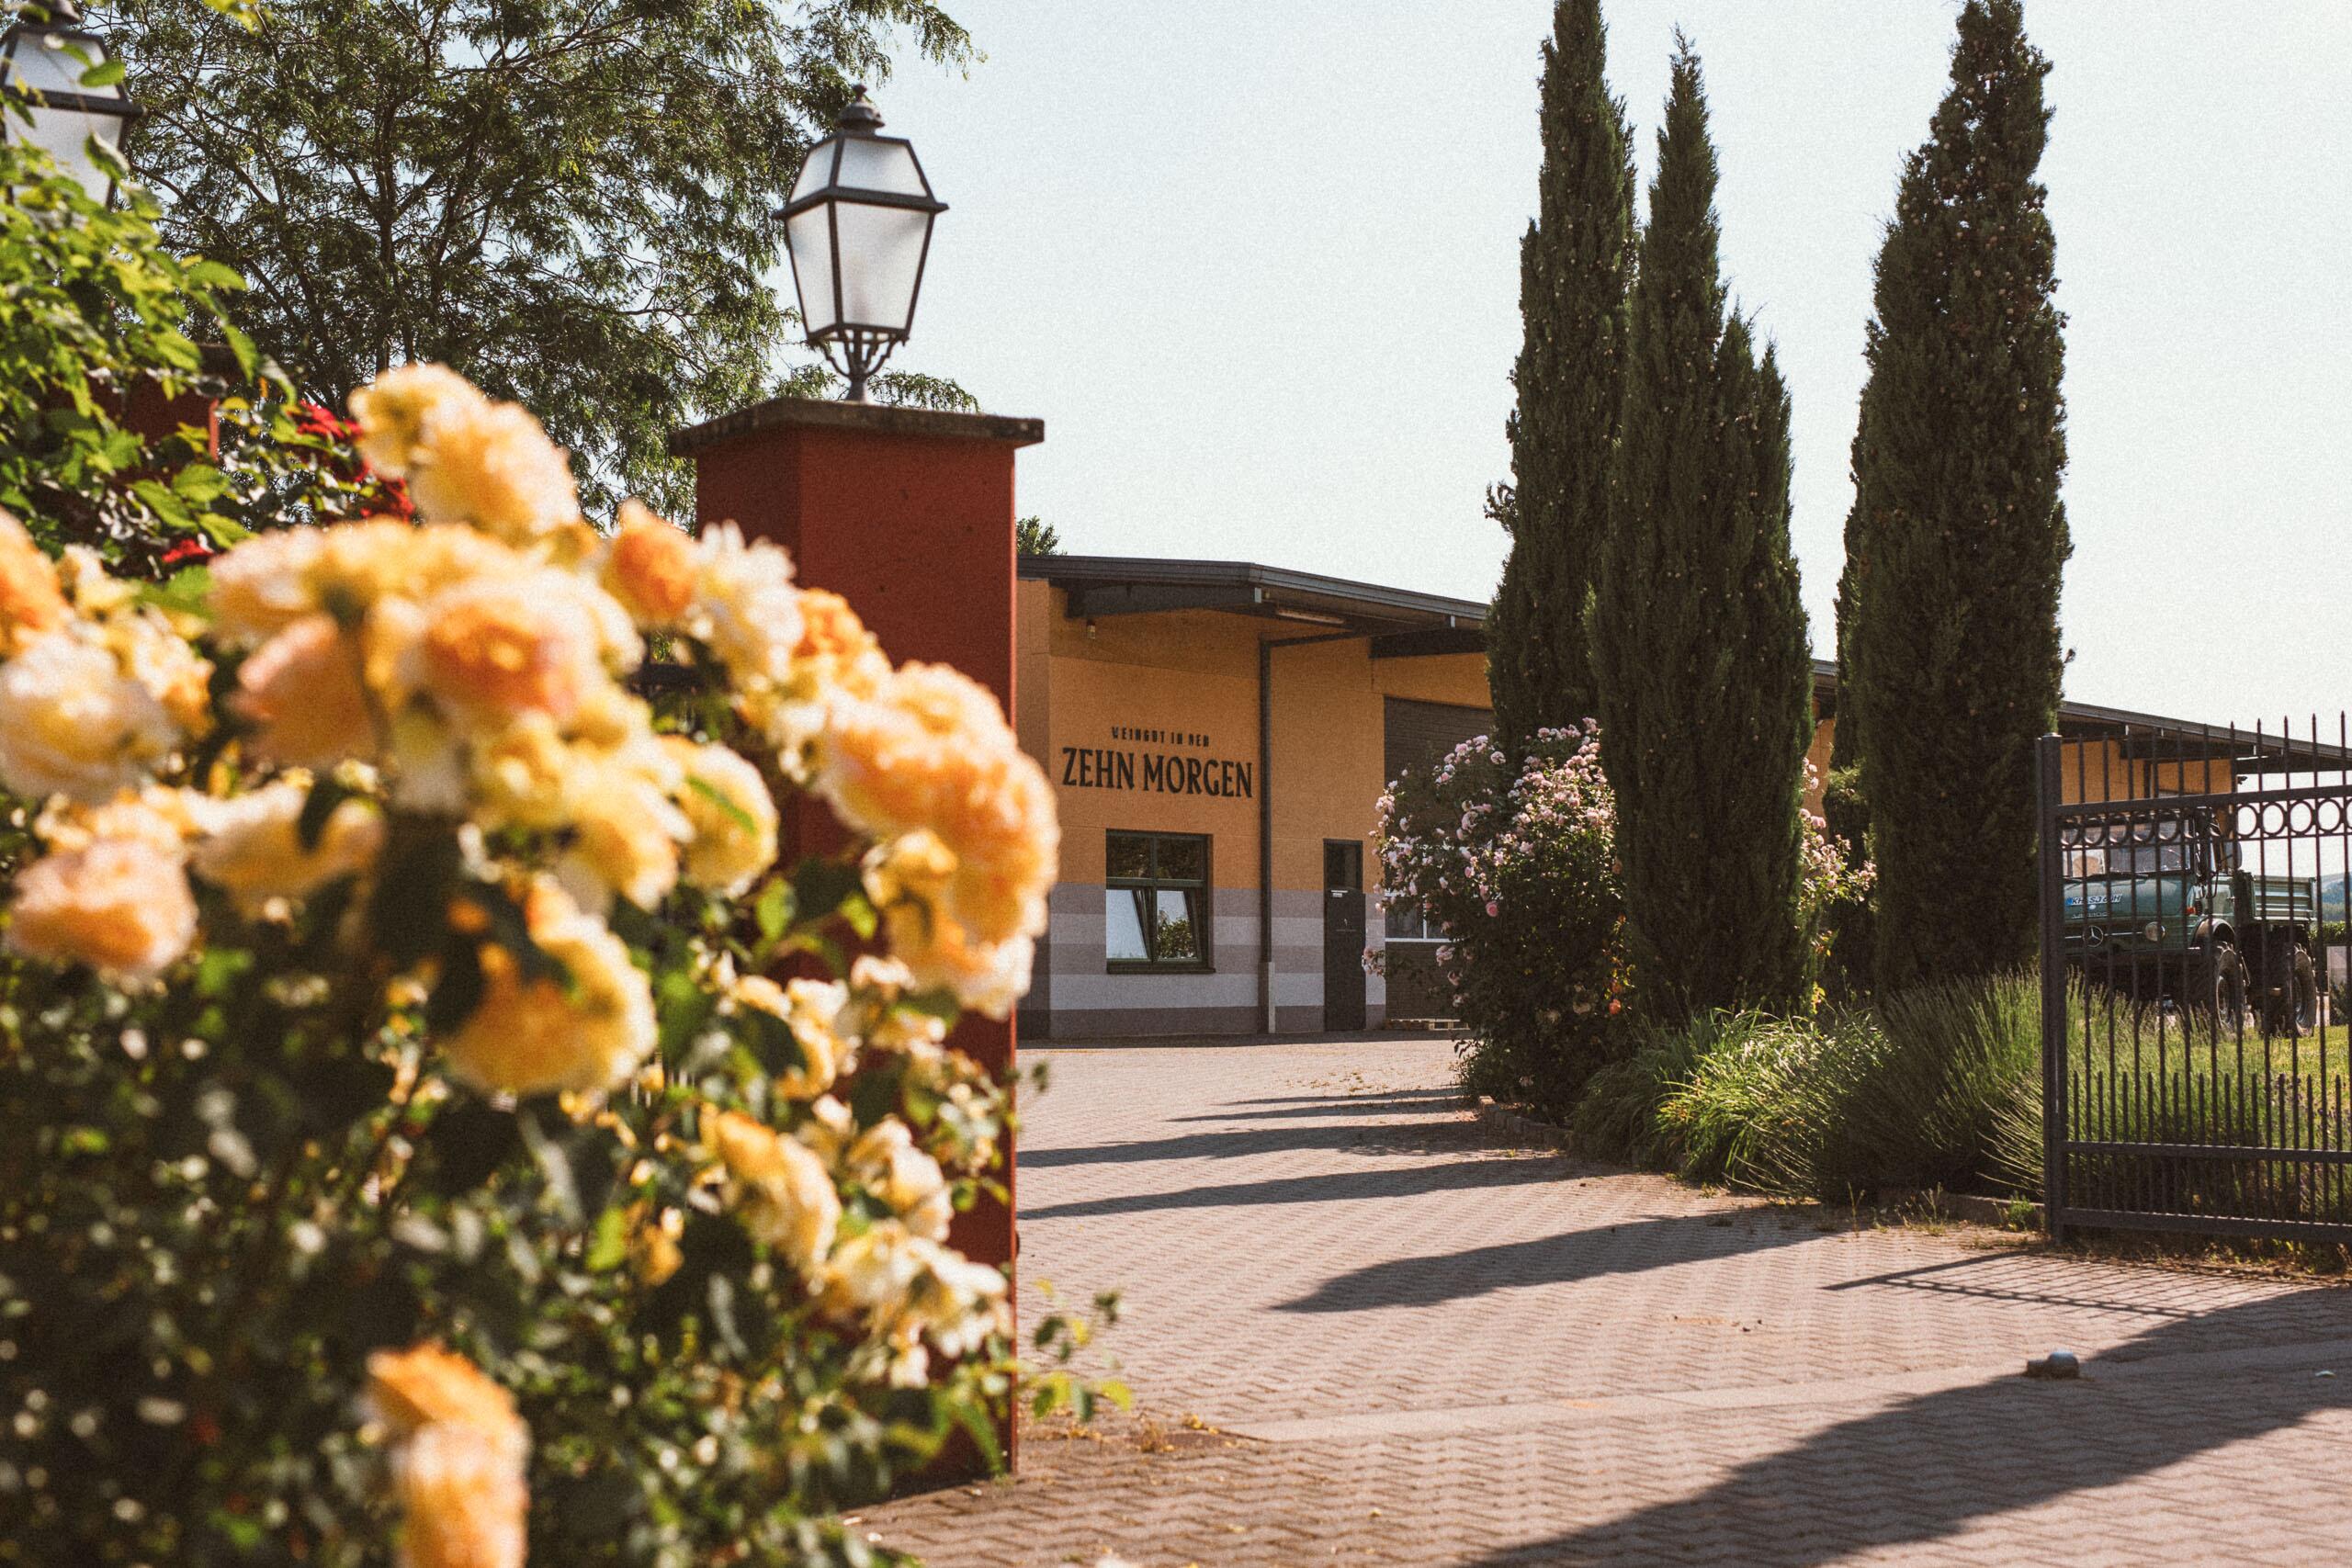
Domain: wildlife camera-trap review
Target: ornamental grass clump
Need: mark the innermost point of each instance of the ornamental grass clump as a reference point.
(405, 1154)
(1933, 1088)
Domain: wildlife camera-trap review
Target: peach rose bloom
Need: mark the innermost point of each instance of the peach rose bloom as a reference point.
(31, 600)
(745, 605)
(121, 906)
(458, 1459)
(730, 818)
(886, 1158)
(463, 1500)
(932, 750)
(492, 465)
(393, 412)
(535, 1036)
(251, 845)
(303, 694)
(624, 838)
(493, 649)
(426, 1384)
(833, 640)
(810, 1010)
(785, 1193)
(72, 723)
(649, 568)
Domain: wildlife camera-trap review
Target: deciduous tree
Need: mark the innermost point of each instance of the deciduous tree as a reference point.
(568, 200)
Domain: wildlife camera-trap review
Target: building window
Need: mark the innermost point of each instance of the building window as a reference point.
(1406, 923)
(1156, 902)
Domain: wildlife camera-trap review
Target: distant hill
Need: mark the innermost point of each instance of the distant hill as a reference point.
(2331, 898)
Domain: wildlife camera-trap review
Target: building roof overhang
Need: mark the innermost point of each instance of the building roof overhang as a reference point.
(1402, 624)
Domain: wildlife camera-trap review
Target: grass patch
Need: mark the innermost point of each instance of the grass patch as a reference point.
(1941, 1086)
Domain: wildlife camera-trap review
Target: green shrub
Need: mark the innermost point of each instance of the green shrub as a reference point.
(1921, 1092)
(2136, 1075)
(406, 1149)
(1910, 1097)
(1514, 860)
(92, 306)
(1517, 864)
(1617, 1116)
(1723, 1120)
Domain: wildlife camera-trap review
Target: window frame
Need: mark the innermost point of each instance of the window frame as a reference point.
(1201, 887)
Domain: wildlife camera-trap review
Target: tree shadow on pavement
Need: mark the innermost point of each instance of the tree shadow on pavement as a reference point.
(1428, 1102)
(1372, 1181)
(1450, 1136)
(1926, 1467)
(1633, 1246)
(1371, 1097)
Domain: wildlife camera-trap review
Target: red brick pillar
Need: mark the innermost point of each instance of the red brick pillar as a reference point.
(150, 412)
(907, 513)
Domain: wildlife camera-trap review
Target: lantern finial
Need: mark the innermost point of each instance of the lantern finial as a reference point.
(861, 118)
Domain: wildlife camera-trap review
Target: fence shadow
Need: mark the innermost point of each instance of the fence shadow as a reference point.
(1931, 1465)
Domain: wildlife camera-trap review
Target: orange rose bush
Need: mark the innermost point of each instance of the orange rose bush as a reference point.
(436, 1128)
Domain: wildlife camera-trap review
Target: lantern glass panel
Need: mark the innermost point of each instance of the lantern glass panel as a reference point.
(40, 61)
(809, 235)
(64, 135)
(815, 170)
(881, 261)
(880, 165)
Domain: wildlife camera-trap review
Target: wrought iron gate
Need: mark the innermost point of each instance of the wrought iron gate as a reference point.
(2196, 1075)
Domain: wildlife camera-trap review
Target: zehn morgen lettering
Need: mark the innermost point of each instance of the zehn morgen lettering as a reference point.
(1097, 767)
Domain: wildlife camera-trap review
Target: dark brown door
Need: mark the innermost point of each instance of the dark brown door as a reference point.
(1343, 934)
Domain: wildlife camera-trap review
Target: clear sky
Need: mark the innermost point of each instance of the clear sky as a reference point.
(1256, 266)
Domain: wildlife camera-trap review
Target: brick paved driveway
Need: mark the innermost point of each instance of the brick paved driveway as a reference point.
(1416, 1344)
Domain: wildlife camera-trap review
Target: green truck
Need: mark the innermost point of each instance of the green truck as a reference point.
(2164, 909)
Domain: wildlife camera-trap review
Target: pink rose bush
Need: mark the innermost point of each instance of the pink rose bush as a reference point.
(436, 1125)
(1515, 865)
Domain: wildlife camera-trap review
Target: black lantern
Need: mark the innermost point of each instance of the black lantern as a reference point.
(858, 227)
(47, 105)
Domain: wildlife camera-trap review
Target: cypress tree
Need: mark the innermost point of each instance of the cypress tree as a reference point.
(1574, 265)
(1697, 633)
(1957, 538)
(1845, 811)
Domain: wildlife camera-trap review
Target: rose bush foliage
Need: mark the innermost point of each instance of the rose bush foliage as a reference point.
(433, 1125)
(97, 316)
(1515, 862)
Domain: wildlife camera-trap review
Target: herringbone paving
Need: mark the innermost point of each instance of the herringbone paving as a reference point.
(1414, 1343)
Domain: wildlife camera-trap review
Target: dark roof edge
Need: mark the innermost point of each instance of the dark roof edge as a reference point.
(1089, 570)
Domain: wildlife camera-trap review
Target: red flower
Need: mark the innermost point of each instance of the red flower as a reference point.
(188, 549)
(394, 491)
(312, 419)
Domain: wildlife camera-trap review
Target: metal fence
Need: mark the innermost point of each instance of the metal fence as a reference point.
(2195, 1063)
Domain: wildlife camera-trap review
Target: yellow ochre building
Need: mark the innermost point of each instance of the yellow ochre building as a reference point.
(1219, 733)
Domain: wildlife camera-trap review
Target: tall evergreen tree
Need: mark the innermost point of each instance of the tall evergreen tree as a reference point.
(1697, 633)
(1575, 263)
(1957, 538)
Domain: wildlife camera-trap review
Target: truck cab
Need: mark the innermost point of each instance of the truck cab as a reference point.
(2162, 904)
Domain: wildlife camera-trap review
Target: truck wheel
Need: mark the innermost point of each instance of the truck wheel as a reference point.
(2217, 982)
(2290, 1000)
